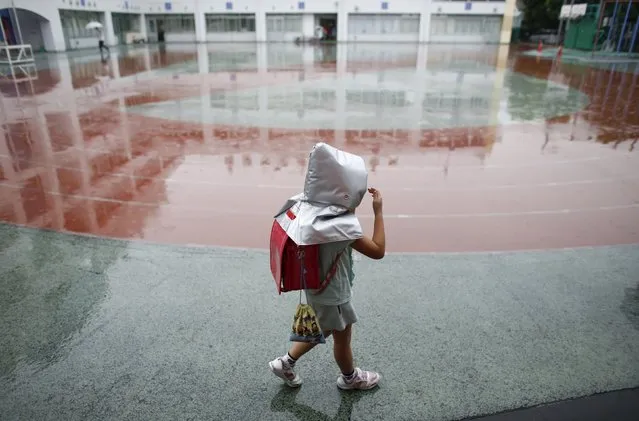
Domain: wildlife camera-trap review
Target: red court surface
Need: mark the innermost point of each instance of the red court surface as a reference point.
(75, 159)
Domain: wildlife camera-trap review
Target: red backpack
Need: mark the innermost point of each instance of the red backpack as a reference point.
(296, 267)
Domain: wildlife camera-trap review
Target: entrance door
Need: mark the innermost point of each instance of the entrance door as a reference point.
(329, 23)
(160, 26)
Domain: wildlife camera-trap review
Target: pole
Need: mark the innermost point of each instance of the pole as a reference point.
(572, 3)
(623, 27)
(612, 21)
(13, 7)
(601, 15)
(561, 22)
(634, 36)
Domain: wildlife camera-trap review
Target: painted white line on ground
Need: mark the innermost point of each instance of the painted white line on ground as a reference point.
(456, 167)
(395, 188)
(236, 212)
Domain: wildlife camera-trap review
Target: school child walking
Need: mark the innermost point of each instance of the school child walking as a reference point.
(333, 306)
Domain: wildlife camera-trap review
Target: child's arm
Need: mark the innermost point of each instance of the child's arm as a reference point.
(374, 248)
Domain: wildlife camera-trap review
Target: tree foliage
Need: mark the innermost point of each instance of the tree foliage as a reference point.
(541, 14)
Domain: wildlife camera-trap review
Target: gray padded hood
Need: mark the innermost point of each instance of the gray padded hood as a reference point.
(336, 182)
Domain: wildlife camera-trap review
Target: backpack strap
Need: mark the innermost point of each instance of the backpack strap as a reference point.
(330, 274)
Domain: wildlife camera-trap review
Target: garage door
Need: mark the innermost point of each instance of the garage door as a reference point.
(383, 28)
(283, 27)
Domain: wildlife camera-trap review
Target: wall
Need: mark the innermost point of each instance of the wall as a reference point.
(30, 26)
(53, 37)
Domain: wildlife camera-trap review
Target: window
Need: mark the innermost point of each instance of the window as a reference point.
(230, 23)
(465, 25)
(360, 24)
(74, 22)
(177, 23)
(284, 23)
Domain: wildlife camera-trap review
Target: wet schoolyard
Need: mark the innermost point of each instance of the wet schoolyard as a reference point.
(137, 195)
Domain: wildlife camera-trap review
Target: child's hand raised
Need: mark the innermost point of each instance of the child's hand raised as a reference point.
(377, 199)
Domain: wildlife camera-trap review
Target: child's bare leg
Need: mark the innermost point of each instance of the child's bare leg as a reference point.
(300, 348)
(342, 350)
(351, 377)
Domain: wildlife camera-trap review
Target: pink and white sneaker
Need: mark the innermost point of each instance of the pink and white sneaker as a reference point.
(284, 371)
(361, 380)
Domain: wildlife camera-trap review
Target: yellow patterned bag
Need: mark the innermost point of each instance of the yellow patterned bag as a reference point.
(306, 327)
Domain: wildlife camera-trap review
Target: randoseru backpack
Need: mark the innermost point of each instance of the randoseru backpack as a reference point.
(295, 267)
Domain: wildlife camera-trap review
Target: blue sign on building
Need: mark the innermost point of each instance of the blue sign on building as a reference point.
(384, 5)
(167, 6)
(82, 3)
(229, 5)
(301, 5)
(468, 5)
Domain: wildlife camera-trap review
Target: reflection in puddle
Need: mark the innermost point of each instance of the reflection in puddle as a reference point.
(166, 137)
(284, 401)
(405, 100)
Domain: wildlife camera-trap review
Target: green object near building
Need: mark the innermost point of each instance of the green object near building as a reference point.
(581, 32)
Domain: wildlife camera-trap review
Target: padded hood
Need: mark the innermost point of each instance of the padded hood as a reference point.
(335, 184)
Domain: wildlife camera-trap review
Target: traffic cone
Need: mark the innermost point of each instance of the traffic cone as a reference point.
(540, 47)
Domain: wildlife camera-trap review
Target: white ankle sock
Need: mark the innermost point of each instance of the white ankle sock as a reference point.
(289, 360)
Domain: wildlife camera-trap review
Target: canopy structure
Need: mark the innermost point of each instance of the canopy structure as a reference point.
(573, 12)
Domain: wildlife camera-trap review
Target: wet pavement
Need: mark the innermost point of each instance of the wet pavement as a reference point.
(161, 157)
(467, 143)
(107, 329)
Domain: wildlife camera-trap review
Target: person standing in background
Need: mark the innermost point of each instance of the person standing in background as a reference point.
(101, 43)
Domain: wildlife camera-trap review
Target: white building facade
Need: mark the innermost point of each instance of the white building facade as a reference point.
(58, 25)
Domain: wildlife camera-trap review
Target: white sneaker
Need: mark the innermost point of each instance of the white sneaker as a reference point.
(362, 380)
(284, 371)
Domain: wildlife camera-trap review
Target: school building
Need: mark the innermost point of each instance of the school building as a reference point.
(59, 25)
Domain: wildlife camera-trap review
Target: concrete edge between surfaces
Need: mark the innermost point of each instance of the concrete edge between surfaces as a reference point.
(211, 248)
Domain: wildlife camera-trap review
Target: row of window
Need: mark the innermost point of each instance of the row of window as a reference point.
(465, 25)
(383, 24)
(230, 23)
(74, 22)
(124, 22)
(284, 23)
(177, 23)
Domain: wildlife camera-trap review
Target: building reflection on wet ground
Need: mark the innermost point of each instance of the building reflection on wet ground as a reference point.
(467, 142)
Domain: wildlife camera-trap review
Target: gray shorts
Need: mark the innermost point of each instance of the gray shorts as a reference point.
(335, 317)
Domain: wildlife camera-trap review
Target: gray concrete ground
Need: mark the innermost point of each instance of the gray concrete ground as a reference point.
(105, 329)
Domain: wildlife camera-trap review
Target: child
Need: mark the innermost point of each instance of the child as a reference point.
(334, 309)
